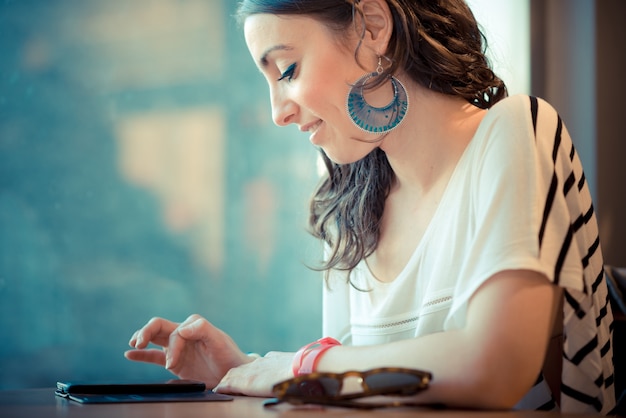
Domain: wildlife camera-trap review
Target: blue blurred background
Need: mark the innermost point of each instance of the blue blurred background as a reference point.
(140, 176)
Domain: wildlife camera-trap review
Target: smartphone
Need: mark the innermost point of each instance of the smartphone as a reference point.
(133, 388)
(175, 390)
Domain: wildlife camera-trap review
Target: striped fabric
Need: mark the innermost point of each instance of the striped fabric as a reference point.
(569, 237)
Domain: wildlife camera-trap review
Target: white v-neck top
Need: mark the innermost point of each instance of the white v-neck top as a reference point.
(517, 199)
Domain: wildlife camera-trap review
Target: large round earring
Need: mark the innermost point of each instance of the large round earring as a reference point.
(377, 119)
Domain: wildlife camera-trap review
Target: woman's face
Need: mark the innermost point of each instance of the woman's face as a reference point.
(309, 72)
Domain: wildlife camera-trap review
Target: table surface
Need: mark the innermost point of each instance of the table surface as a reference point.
(43, 403)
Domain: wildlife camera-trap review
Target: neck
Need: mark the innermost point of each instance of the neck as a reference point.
(426, 147)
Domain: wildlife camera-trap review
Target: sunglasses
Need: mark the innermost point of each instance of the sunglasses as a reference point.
(352, 388)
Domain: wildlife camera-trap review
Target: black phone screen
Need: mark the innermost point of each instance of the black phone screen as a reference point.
(100, 388)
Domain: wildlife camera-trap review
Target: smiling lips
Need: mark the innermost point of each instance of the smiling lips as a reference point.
(311, 127)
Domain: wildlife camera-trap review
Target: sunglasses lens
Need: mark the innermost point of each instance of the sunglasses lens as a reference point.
(392, 380)
(322, 386)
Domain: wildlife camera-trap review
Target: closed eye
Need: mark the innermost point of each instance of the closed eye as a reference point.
(288, 74)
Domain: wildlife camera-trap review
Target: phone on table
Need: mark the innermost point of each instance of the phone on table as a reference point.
(174, 390)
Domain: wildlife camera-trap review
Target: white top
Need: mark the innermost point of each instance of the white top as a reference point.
(508, 205)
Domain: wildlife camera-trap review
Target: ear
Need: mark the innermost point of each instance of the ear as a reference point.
(378, 24)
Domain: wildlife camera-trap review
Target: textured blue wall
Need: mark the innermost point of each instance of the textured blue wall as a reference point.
(107, 218)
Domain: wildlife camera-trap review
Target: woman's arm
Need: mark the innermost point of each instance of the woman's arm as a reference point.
(491, 363)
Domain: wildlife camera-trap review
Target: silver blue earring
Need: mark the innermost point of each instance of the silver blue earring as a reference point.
(377, 119)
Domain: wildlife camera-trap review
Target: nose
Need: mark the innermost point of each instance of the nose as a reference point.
(283, 108)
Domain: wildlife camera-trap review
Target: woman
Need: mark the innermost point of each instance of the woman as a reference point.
(456, 219)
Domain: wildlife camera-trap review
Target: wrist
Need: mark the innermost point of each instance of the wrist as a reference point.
(307, 358)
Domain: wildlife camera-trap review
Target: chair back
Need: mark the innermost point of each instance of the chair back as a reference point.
(616, 284)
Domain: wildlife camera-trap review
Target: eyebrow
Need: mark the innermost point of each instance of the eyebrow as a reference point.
(280, 47)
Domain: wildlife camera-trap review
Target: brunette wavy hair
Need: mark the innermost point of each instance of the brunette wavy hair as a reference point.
(437, 43)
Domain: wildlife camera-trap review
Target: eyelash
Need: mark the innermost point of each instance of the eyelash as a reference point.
(288, 74)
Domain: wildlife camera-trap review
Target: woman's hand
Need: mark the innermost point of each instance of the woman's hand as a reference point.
(257, 377)
(193, 349)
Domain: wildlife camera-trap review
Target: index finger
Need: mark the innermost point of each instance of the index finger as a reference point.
(156, 331)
